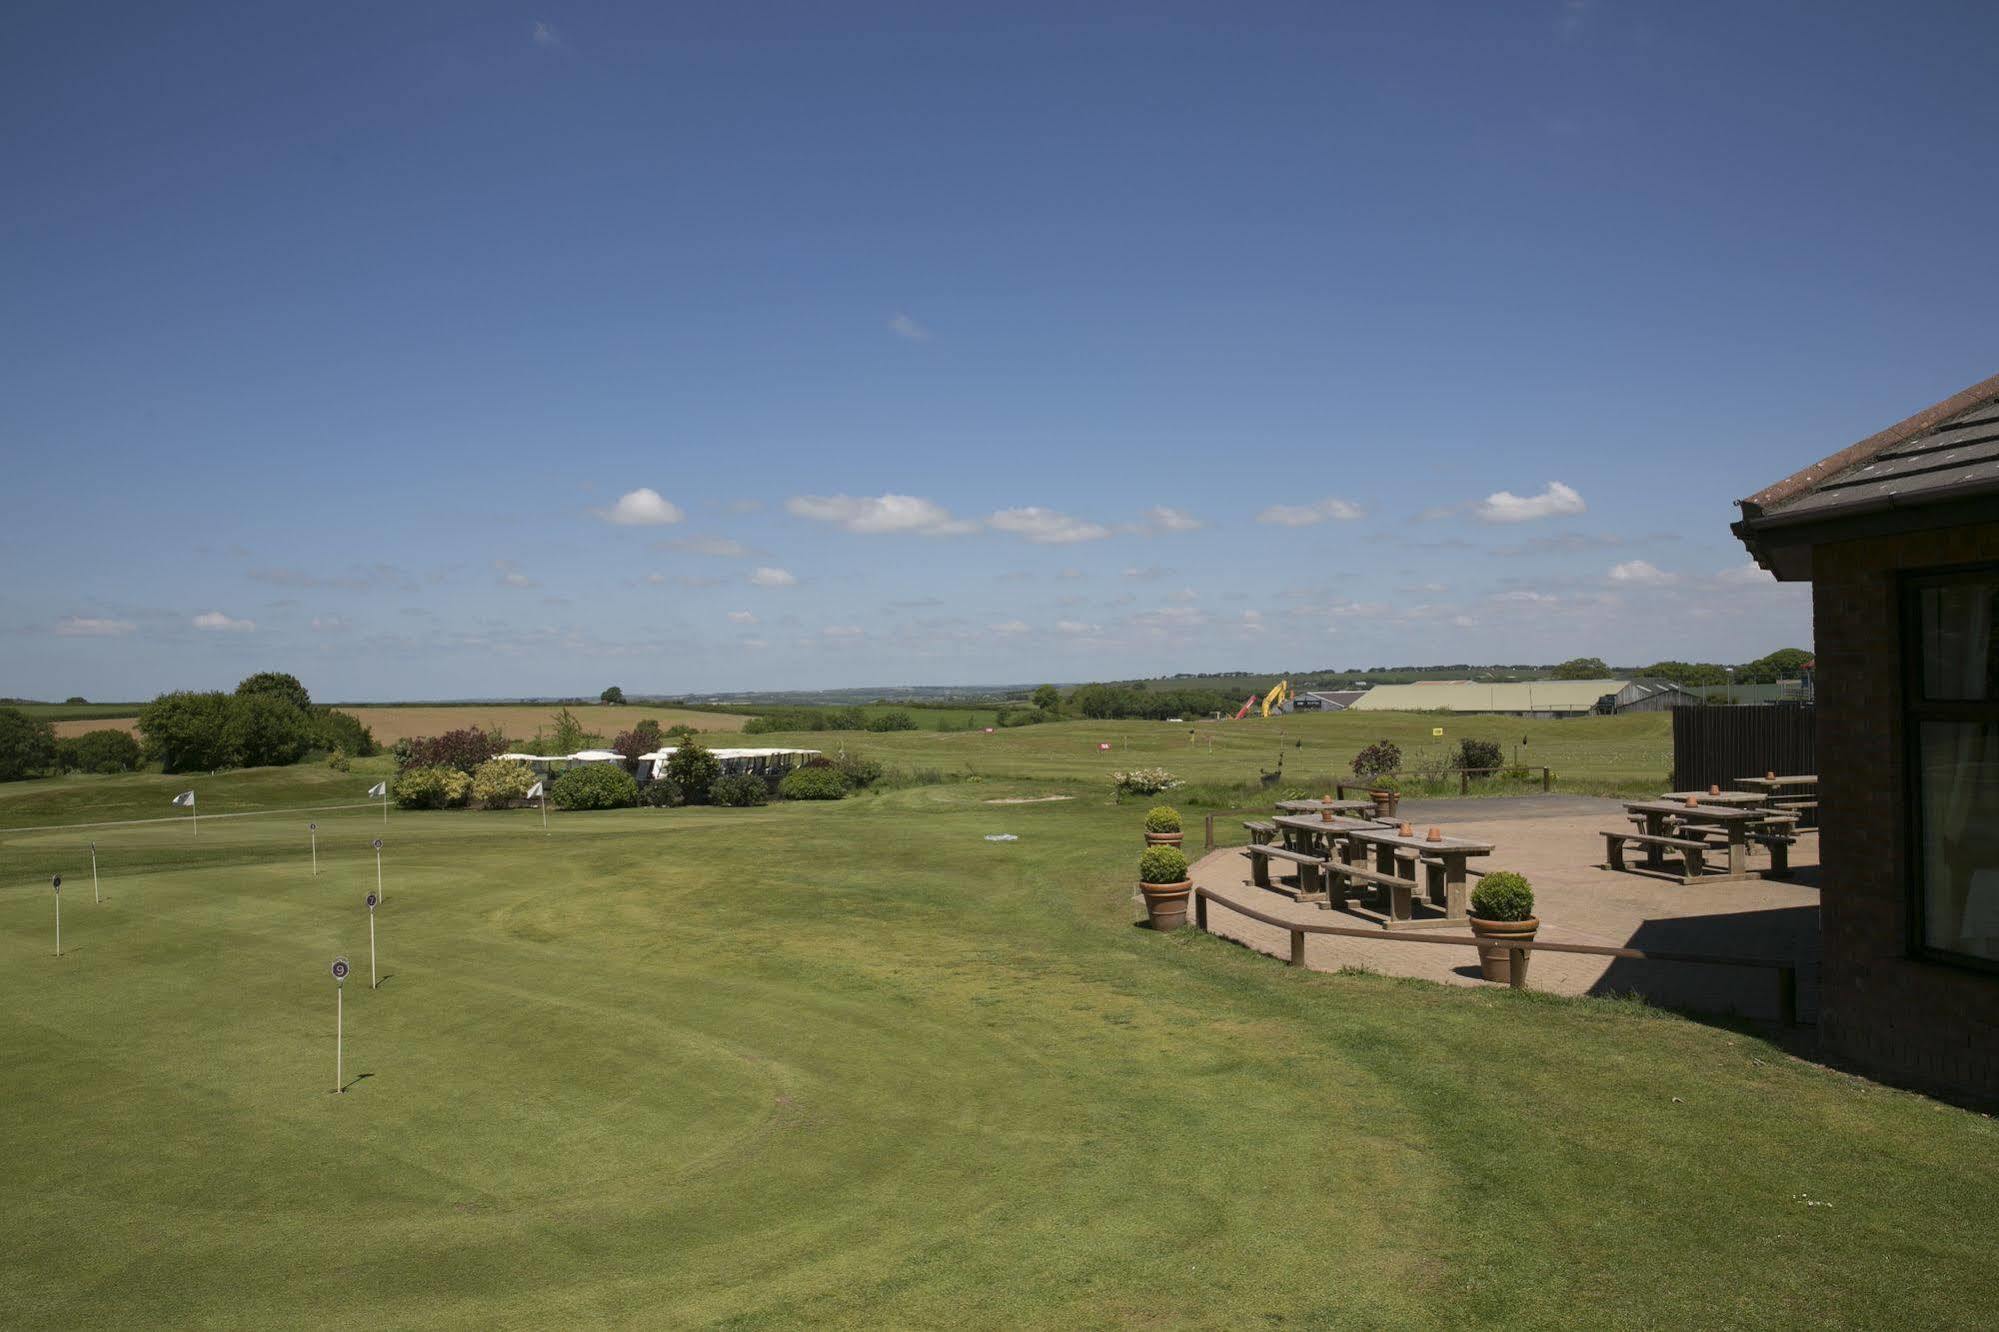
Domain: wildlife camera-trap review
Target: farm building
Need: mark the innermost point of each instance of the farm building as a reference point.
(1322, 700)
(1899, 537)
(1534, 698)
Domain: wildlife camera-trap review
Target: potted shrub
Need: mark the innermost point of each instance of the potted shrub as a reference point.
(1502, 907)
(1162, 826)
(1377, 765)
(1162, 878)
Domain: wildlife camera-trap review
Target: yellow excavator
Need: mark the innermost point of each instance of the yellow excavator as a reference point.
(1278, 695)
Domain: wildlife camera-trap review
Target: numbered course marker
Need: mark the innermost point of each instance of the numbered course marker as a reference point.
(339, 1024)
(55, 882)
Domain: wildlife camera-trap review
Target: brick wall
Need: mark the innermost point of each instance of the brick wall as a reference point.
(1899, 1018)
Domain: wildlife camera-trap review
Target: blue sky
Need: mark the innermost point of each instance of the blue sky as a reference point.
(949, 343)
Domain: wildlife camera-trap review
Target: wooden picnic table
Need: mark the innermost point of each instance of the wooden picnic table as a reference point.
(1301, 832)
(1738, 824)
(1445, 860)
(1772, 785)
(1337, 806)
(1743, 799)
(1798, 793)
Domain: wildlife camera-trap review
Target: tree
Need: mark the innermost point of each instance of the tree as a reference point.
(1689, 674)
(27, 746)
(277, 684)
(694, 770)
(569, 735)
(1048, 698)
(612, 695)
(463, 749)
(1783, 664)
(264, 730)
(74, 699)
(98, 751)
(1581, 668)
(185, 731)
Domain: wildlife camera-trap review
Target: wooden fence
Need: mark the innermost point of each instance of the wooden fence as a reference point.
(1786, 971)
(1714, 745)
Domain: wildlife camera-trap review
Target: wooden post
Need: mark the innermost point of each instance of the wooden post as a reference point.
(1297, 948)
(1464, 782)
(1516, 969)
(1211, 832)
(1787, 996)
(1201, 912)
(1546, 778)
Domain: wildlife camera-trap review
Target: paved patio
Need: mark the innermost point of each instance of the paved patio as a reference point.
(1557, 842)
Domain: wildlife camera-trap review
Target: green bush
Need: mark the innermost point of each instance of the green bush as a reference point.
(595, 786)
(431, 788)
(1503, 895)
(27, 746)
(333, 729)
(340, 761)
(660, 793)
(500, 782)
(739, 790)
(821, 783)
(183, 731)
(1162, 864)
(693, 769)
(892, 721)
(1378, 759)
(1479, 754)
(104, 751)
(1162, 819)
(859, 770)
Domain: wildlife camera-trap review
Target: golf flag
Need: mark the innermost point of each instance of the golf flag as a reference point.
(185, 799)
(534, 792)
(379, 789)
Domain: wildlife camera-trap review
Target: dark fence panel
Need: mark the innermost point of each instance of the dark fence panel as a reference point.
(1714, 745)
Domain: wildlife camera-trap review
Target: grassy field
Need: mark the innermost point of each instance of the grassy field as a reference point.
(517, 720)
(853, 1065)
(1633, 752)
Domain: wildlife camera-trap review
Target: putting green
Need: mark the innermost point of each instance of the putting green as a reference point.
(855, 1065)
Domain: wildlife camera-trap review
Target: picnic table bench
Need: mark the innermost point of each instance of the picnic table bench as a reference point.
(1311, 871)
(1351, 807)
(1442, 862)
(1696, 831)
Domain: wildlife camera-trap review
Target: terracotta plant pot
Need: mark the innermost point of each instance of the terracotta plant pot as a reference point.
(1496, 964)
(1163, 839)
(1166, 903)
(1325, 814)
(1385, 802)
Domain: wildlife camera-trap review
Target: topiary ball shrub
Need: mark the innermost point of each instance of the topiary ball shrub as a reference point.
(497, 783)
(814, 783)
(1378, 759)
(739, 790)
(595, 786)
(1162, 864)
(1162, 819)
(1479, 754)
(1503, 895)
(660, 793)
(431, 788)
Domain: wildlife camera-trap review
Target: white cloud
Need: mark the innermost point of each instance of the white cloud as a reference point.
(903, 326)
(83, 626)
(643, 507)
(1750, 574)
(217, 622)
(1304, 515)
(753, 644)
(1252, 622)
(742, 617)
(843, 631)
(511, 576)
(1504, 506)
(1526, 598)
(546, 36)
(329, 624)
(1046, 527)
(705, 545)
(1151, 573)
(1641, 574)
(1074, 627)
(879, 514)
(1185, 596)
(1009, 628)
(772, 577)
(1161, 518)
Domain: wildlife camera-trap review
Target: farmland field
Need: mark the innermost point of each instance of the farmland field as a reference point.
(853, 1065)
(517, 720)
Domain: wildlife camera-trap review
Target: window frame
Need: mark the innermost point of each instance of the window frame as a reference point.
(1915, 710)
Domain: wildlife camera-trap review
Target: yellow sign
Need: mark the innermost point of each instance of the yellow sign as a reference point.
(1436, 730)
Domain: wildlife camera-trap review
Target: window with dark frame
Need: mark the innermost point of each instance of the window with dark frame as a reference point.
(1951, 640)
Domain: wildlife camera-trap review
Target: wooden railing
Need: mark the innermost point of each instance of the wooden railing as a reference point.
(1787, 971)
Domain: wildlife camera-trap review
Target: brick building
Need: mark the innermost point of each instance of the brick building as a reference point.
(1899, 537)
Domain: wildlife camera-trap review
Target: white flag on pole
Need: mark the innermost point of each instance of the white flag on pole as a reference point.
(185, 799)
(379, 789)
(534, 791)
